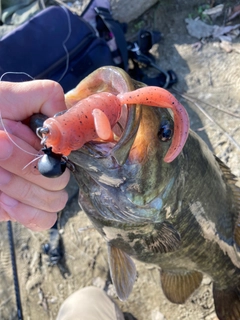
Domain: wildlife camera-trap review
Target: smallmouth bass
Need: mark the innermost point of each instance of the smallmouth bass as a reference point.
(182, 215)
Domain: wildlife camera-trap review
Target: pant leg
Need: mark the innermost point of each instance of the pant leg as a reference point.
(90, 303)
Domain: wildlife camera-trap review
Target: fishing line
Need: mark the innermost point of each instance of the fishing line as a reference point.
(64, 42)
(230, 138)
(39, 157)
(16, 72)
(4, 128)
(30, 153)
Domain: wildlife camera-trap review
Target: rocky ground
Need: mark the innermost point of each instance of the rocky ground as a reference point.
(209, 75)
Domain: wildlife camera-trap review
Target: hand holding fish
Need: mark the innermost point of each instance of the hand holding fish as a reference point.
(25, 195)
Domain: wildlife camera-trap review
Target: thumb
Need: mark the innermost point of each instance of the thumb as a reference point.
(19, 101)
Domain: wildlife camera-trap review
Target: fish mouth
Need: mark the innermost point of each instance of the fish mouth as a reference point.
(115, 81)
(125, 131)
(121, 149)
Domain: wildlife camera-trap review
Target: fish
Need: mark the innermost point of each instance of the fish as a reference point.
(180, 212)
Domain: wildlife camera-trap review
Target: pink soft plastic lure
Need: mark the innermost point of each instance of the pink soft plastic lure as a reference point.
(94, 117)
(89, 119)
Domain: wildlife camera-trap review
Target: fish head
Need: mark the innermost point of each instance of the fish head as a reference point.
(140, 130)
(131, 169)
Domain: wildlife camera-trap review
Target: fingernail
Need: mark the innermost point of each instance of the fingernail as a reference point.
(6, 148)
(8, 201)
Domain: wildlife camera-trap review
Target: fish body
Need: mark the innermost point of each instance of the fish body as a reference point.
(179, 216)
(182, 216)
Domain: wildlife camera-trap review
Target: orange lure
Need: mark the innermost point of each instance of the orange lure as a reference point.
(87, 120)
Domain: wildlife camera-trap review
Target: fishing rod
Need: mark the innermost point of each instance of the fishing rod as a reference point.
(14, 269)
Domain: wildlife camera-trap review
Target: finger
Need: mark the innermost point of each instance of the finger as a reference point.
(21, 131)
(20, 100)
(31, 194)
(16, 161)
(3, 215)
(32, 218)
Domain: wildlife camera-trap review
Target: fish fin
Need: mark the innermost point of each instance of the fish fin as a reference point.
(122, 270)
(227, 303)
(163, 239)
(179, 285)
(230, 180)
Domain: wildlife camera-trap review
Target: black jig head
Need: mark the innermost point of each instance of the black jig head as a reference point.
(52, 165)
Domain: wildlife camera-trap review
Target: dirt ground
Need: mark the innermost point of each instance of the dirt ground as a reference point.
(210, 75)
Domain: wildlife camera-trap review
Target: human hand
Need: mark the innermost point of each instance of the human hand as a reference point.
(25, 195)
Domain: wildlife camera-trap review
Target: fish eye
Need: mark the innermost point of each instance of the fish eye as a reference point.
(165, 131)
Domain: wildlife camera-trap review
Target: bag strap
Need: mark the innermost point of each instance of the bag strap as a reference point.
(115, 27)
(142, 59)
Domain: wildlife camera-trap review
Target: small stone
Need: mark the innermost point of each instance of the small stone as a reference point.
(157, 315)
(206, 280)
(99, 283)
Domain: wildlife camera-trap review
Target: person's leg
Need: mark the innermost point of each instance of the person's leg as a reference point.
(90, 303)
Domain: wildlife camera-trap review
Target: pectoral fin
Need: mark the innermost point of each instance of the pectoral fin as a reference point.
(163, 239)
(227, 303)
(123, 271)
(178, 286)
